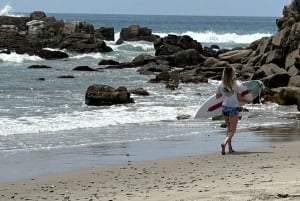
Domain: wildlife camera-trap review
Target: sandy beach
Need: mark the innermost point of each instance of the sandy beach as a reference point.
(264, 173)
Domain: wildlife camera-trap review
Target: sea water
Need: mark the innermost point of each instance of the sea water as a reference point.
(45, 126)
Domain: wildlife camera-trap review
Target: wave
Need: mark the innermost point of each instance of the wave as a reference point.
(18, 58)
(217, 38)
(114, 116)
(5, 11)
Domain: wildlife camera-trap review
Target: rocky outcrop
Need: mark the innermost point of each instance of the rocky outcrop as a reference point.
(32, 34)
(100, 95)
(275, 60)
(172, 44)
(137, 33)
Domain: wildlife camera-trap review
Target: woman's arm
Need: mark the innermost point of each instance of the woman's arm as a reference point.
(218, 95)
(243, 99)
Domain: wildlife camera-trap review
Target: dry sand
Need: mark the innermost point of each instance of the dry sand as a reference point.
(267, 173)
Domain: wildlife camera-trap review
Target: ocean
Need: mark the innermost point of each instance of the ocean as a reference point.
(46, 128)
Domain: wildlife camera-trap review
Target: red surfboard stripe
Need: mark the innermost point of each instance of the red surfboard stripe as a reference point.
(244, 93)
(214, 107)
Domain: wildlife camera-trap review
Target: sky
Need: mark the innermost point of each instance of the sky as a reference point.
(152, 7)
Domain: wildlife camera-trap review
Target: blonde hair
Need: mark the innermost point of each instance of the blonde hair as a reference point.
(228, 78)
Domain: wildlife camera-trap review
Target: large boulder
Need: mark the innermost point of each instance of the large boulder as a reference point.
(268, 70)
(105, 33)
(137, 33)
(187, 58)
(285, 96)
(172, 44)
(235, 56)
(276, 80)
(99, 95)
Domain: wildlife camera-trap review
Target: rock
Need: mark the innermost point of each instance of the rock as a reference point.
(108, 62)
(152, 67)
(140, 91)
(187, 58)
(292, 63)
(183, 117)
(137, 33)
(36, 27)
(83, 68)
(98, 95)
(66, 76)
(267, 70)
(235, 56)
(276, 80)
(172, 84)
(163, 76)
(37, 15)
(172, 44)
(280, 38)
(39, 67)
(50, 55)
(275, 57)
(143, 59)
(286, 96)
(105, 33)
(294, 81)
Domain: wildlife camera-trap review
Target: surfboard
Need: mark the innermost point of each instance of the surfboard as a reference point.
(212, 107)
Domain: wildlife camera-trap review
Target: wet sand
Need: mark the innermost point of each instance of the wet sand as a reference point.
(264, 173)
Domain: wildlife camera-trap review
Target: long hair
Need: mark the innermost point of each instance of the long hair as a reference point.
(228, 78)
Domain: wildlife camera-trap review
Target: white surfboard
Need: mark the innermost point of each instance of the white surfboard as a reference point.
(212, 107)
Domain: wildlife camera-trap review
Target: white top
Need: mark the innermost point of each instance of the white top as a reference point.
(230, 99)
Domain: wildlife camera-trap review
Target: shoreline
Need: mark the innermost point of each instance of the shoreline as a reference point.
(267, 173)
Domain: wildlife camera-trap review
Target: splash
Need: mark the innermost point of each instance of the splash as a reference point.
(18, 58)
(5, 11)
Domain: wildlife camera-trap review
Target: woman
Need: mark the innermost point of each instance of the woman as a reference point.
(230, 91)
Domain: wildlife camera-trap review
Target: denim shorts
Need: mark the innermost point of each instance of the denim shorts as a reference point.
(230, 111)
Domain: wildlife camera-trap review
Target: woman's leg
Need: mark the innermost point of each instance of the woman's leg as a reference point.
(233, 121)
(223, 145)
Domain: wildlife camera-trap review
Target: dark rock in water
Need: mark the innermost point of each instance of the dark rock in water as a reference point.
(100, 95)
(108, 62)
(66, 76)
(39, 67)
(41, 79)
(184, 116)
(140, 91)
(83, 68)
(47, 54)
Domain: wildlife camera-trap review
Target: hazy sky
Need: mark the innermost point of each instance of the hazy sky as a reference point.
(155, 7)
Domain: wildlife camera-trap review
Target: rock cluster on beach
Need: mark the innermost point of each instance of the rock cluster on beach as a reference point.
(178, 59)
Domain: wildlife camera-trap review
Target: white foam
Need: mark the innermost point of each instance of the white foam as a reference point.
(97, 118)
(212, 37)
(18, 58)
(5, 11)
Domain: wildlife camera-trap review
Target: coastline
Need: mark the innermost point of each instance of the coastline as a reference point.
(262, 173)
